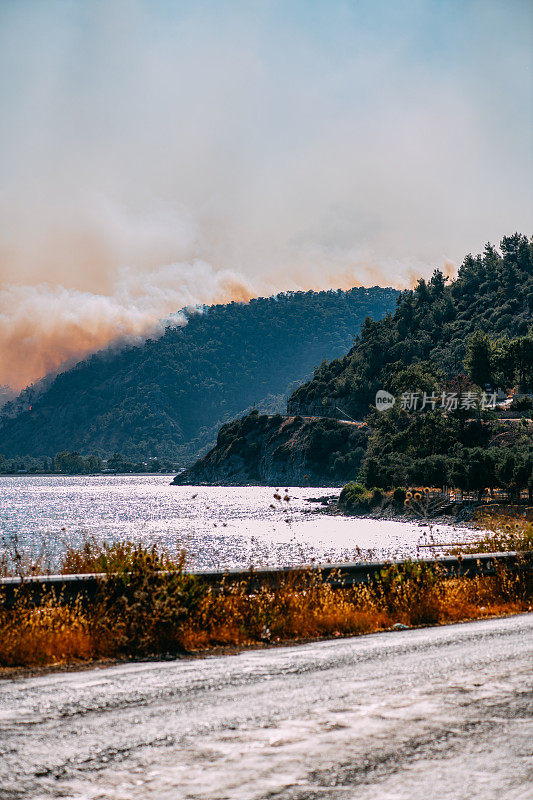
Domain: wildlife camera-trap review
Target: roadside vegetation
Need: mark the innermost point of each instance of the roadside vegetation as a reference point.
(147, 605)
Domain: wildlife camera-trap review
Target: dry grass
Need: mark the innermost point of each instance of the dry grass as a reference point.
(299, 607)
(120, 556)
(17, 559)
(52, 632)
(147, 605)
(502, 532)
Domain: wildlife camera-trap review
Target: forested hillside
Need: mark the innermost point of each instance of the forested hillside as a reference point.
(456, 339)
(168, 397)
(431, 330)
(6, 394)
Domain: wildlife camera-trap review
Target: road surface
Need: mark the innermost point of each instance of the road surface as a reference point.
(433, 713)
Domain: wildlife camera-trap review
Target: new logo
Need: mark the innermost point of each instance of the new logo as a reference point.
(384, 400)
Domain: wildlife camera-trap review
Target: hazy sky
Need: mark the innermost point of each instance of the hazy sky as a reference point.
(157, 153)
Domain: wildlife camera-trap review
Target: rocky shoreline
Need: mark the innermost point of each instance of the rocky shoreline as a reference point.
(463, 514)
(259, 450)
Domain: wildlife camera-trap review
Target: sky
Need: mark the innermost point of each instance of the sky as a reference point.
(158, 154)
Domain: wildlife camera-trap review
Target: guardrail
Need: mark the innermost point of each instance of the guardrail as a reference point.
(336, 575)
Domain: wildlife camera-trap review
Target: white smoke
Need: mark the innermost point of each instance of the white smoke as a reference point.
(44, 327)
(287, 145)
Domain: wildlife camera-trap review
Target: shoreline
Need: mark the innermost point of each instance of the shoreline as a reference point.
(463, 516)
(393, 515)
(83, 474)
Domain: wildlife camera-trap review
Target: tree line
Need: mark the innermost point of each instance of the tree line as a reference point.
(73, 463)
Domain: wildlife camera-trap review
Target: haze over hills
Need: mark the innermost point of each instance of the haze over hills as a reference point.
(168, 397)
(480, 324)
(157, 155)
(6, 394)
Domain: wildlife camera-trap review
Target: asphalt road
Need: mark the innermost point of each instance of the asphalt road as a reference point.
(434, 713)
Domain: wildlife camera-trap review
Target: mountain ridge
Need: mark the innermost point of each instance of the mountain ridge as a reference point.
(482, 323)
(168, 397)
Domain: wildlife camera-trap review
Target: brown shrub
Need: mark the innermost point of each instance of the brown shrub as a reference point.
(149, 605)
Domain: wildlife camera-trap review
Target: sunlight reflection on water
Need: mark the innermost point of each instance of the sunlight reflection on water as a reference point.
(219, 527)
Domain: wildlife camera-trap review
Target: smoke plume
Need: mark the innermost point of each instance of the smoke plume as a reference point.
(43, 328)
(252, 147)
(46, 328)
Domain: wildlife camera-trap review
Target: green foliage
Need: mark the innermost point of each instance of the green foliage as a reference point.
(482, 320)
(421, 377)
(67, 463)
(406, 448)
(502, 361)
(74, 463)
(167, 398)
(354, 496)
(458, 461)
(478, 361)
(399, 494)
(522, 404)
(377, 495)
(433, 330)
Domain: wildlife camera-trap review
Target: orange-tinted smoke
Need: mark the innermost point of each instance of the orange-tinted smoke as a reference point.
(45, 328)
